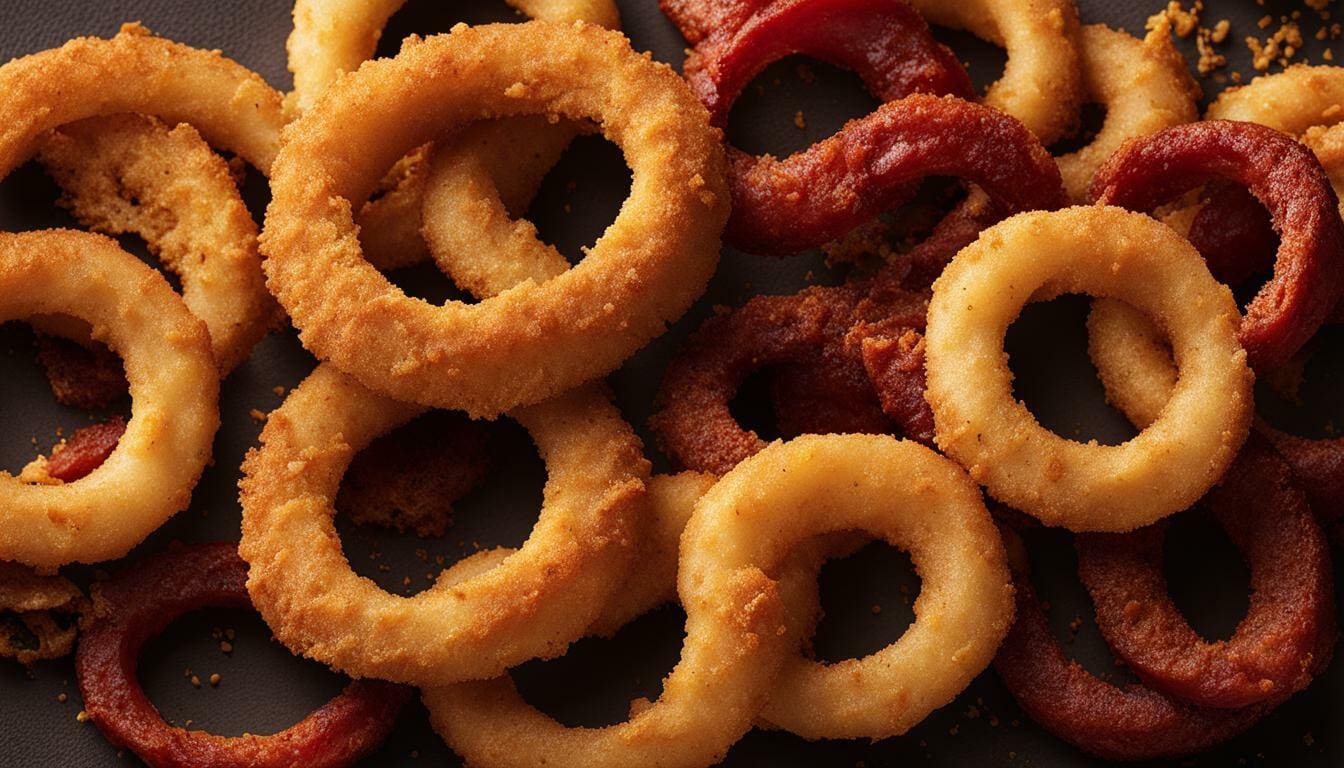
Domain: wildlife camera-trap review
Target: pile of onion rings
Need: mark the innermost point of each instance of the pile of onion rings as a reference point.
(434, 155)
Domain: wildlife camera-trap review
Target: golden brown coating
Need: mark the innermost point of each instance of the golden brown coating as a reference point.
(131, 174)
(1105, 252)
(174, 399)
(534, 340)
(532, 605)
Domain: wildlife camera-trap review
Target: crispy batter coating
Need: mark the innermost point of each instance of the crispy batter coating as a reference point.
(736, 616)
(1099, 251)
(534, 340)
(174, 392)
(131, 174)
(410, 479)
(532, 605)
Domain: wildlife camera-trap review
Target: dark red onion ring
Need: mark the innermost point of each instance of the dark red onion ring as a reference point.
(886, 42)
(1113, 722)
(1291, 613)
(137, 605)
(1287, 179)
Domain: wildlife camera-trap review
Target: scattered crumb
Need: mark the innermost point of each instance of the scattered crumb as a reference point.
(61, 697)
(799, 120)
(258, 416)
(195, 681)
(225, 646)
(214, 680)
(82, 717)
(279, 391)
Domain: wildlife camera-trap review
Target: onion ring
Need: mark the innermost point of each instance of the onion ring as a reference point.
(1128, 722)
(886, 43)
(1042, 82)
(1145, 86)
(1085, 487)
(724, 590)
(902, 141)
(141, 603)
(531, 606)
(1291, 614)
(39, 614)
(174, 389)
(332, 37)
(532, 341)
(231, 106)
(132, 174)
(1309, 269)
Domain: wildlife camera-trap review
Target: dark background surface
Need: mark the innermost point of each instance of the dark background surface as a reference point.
(265, 688)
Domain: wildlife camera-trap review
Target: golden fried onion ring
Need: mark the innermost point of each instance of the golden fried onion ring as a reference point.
(531, 606)
(750, 524)
(174, 392)
(531, 341)
(231, 106)
(132, 174)
(1145, 86)
(1041, 84)
(1103, 252)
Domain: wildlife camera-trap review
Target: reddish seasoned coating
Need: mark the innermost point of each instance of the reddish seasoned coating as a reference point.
(814, 197)
(1282, 174)
(1128, 722)
(86, 450)
(1272, 652)
(1318, 467)
(698, 19)
(694, 426)
(886, 42)
(132, 608)
(869, 377)
(1234, 234)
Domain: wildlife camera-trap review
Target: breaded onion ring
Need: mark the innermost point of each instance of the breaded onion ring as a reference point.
(1145, 86)
(1291, 613)
(39, 615)
(532, 341)
(1042, 82)
(1128, 722)
(1284, 175)
(886, 43)
(1103, 252)
(174, 391)
(231, 106)
(805, 487)
(332, 37)
(531, 606)
(139, 604)
(132, 174)
(1290, 101)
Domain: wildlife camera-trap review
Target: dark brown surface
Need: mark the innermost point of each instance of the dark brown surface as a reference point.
(264, 688)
